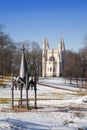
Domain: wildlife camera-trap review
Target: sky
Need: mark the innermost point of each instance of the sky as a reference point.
(33, 20)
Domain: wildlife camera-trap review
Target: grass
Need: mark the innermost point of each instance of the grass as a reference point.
(4, 100)
(3, 79)
(23, 109)
(80, 93)
(39, 99)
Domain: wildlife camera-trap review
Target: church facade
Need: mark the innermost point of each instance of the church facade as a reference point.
(53, 59)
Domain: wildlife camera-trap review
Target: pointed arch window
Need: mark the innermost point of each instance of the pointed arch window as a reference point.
(52, 58)
(50, 69)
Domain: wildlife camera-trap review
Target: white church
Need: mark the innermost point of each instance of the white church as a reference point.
(53, 59)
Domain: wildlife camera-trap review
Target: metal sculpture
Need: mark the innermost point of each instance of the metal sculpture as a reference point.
(25, 80)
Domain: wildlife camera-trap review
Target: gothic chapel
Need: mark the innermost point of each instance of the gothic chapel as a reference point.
(52, 60)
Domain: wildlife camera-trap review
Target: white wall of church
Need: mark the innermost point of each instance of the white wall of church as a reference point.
(52, 60)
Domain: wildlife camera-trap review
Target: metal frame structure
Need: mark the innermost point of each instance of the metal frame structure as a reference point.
(25, 80)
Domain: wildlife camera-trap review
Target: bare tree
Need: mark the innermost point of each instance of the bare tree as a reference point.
(72, 67)
(6, 53)
(83, 58)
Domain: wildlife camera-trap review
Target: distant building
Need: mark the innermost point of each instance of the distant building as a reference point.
(52, 60)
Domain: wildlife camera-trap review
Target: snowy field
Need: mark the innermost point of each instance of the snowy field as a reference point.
(58, 109)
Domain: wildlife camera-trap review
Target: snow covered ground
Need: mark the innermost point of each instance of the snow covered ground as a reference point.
(57, 109)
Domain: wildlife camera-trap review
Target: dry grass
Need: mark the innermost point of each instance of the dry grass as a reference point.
(4, 100)
(80, 93)
(5, 77)
(23, 109)
(1, 81)
(39, 99)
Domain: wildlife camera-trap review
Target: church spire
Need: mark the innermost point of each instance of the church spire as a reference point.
(63, 45)
(45, 44)
(60, 44)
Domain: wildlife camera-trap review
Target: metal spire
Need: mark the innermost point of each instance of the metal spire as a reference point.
(23, 67)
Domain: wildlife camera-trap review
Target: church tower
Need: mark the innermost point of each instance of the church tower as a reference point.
(44, 56)
(52, 59)
(61, 55)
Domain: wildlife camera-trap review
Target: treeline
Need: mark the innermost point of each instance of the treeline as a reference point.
(75, 67)
(10, 55)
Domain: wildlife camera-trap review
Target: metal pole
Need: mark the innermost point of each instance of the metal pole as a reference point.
(27, 98)
(26, 92)
(12, 88)
(12, 98)
(35, 89)
(35, 97)
(21, 97)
